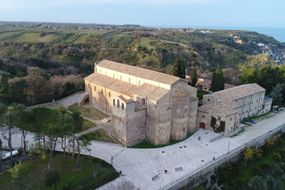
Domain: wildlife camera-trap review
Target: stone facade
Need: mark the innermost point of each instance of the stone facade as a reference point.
(222, 111)
(143, 103)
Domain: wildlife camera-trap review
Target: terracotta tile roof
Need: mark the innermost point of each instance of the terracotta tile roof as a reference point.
(218, 108)
(150, 91)
(144, 90)
(138, 72)
(238, 92)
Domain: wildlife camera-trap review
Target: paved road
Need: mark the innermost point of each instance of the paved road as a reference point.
(158, 168)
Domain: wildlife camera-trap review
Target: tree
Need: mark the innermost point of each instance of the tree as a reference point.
(179, 69)
(77, 122)
(52, 178)
(277, 94)
(194, 77)
(9, 118)
(4, 86)
(248, 153)
(218, 82)
(16, 171)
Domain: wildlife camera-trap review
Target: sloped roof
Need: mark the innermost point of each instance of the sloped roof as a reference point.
(149, 91)
(144, 90)
(138, 72)
(238, 92)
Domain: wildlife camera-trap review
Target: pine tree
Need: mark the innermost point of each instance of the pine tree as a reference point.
(218, 82)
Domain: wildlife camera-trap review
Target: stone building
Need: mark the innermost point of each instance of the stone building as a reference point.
(222, 111)
(205, 85)
(143, 104)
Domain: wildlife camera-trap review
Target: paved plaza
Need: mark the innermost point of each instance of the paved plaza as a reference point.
(162, 167)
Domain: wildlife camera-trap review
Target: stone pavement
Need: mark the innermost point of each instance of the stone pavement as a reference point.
(160, 168)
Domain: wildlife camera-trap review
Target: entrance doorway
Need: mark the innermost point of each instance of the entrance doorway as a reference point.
(202, 125)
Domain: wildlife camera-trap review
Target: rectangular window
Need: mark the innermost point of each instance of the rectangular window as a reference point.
(129, 80)
(118, 103)
(94, 88)
(109, 94)
(143, 101)
(114, 102)
(123, 106)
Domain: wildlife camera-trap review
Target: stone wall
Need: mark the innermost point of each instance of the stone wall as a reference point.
(128, 123)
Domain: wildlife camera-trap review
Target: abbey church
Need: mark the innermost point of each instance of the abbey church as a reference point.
(143, 104)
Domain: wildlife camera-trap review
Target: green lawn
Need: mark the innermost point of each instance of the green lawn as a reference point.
(88, 111)
(99, 135)
(91, 174)
(147, 144)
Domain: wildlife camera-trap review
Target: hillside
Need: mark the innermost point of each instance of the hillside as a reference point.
(55, 50)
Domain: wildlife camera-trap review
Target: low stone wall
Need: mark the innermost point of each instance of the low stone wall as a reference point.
(201, 175)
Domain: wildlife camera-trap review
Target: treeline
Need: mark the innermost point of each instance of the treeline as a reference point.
(269, 76)
(37, 88)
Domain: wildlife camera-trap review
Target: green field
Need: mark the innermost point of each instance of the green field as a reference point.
(91, 174)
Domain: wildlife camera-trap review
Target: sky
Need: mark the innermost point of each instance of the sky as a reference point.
(167, 13)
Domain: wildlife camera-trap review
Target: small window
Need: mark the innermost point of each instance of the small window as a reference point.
(94, 88)
(185, 110)
(143, 101)
(113, 75)
(129, 80)
(203, 116)
(120, 77)
(114, 102)
(101, 91)
(208, 99)
(109, 94)
(139, 82)
(118, 103)
(123, 106)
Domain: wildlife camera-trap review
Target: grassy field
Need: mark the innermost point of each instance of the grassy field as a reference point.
(88, 111)
(70, 178)
(99, 135)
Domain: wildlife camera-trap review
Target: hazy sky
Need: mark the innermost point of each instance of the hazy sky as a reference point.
(235, 13)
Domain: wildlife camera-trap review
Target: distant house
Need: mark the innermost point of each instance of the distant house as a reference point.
(222, 111)
(205, 85)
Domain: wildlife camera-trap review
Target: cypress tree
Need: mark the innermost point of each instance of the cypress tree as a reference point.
(3, 88)
(179, 69)
(218, 82)
(194, 77)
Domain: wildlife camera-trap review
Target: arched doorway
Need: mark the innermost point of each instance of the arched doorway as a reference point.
(202, 125)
